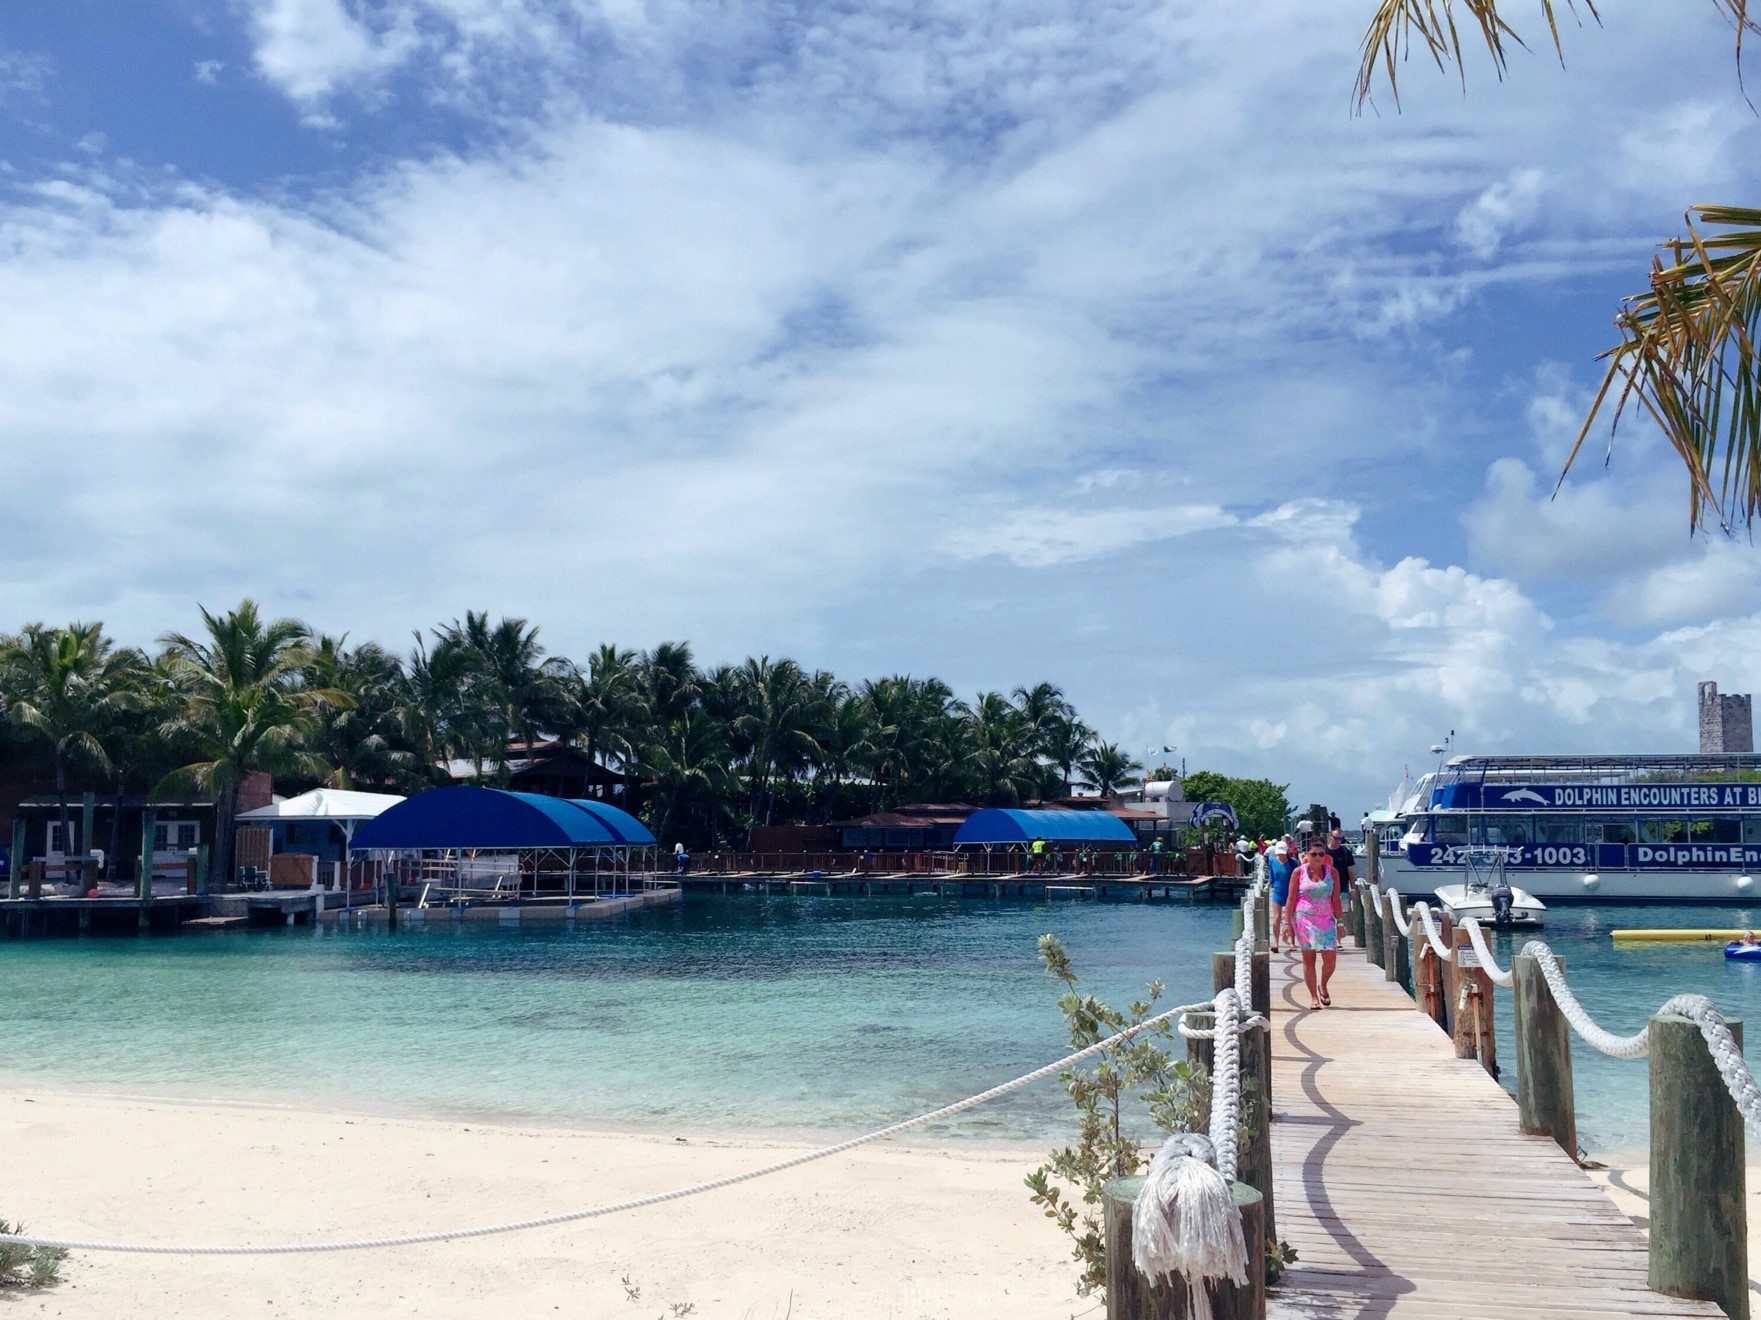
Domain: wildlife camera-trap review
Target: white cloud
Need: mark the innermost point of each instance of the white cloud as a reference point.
(1501, 210)
(309, 48)
(1034, 538)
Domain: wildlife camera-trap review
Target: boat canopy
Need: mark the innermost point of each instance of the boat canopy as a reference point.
(621, 823)
(1008, 825)
(470, 817)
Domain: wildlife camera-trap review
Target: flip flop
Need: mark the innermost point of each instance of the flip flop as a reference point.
(1326, 1000)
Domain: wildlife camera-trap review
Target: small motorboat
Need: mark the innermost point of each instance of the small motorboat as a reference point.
(1737, 951)
(1485, 895)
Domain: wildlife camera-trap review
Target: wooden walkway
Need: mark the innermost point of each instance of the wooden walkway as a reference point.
(1405, 1187)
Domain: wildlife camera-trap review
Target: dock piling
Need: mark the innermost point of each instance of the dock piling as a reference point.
(1373, 935)
(1131, 1296)
(1394, 944)
(1470, 1008)
(1544, 1101)
(1256, 1076)
(1699, 1225)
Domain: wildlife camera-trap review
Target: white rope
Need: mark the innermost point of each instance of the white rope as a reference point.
(1487, 964)
(1432, 936)
(614, 1207)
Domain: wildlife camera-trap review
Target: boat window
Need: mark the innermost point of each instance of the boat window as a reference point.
(1752, 829)
(1505, 829)
(1611, 829)
(1449, 828)
(1554, 829)
(1663, 831)
(1726, 830)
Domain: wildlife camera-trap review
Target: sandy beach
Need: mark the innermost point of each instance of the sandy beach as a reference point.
(885, 1231)
(1627, 1180)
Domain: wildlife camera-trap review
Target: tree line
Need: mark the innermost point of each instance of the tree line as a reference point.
(713, 751)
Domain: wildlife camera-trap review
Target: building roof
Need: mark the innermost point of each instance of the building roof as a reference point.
(1006, 825)
(324, 804)
(469, 817)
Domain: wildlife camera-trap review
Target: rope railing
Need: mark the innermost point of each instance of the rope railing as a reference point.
(1721, 1045)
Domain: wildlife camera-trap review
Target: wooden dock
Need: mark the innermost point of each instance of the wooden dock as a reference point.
(882, 884)
(1405, 1187)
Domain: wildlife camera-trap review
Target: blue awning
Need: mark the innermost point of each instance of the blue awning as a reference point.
(624, 827)
(469, 817)
(1007, 825)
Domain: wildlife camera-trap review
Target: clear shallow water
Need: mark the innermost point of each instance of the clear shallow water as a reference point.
(1622, 987)
(738, 1013)
(742, 1013)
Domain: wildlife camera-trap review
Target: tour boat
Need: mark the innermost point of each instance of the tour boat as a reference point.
(1665, 829)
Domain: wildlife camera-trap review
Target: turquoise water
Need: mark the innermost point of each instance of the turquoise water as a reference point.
(745, 1013)
(1622, 987)
(788, 1014)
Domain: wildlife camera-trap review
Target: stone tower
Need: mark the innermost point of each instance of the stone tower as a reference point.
(1726, 723)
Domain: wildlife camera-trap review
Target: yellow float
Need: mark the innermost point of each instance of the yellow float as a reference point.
(1685, 936)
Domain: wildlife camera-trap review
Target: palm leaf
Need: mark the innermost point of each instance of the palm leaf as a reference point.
(1687, 356)
(1399, 25)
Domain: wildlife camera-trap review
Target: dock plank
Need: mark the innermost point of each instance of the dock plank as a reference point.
(1406, 1188)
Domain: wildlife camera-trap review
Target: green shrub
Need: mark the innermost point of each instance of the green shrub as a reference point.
(27, 1267)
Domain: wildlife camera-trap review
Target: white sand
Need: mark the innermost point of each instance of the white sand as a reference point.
(883, 1231)
(1627, 1180)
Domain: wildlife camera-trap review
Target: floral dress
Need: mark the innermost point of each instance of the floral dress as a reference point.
(1312, 920)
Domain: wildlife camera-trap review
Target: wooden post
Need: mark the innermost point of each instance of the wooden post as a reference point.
(1699, 1225)
(144, 871)
(1401, 961)
(391, 897)
(38, 867)
(1256, 1076)
(1393, 941)
(1544, 1103)
(1373, 858)
(1471, 1009)
(1354, 915)
(1446, 972)
(1131, 1296)
(1373, 946)
(16, 864)
(1262, 919)
(1202, 1052)
(1235, 923)
(88, 808)
(201, 869)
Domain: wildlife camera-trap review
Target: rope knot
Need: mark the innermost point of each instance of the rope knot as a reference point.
(1184, 1222)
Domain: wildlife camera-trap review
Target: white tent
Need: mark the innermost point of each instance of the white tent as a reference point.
(342, 808)
(346, 808)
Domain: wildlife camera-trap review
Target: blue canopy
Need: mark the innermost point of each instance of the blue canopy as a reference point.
(468, 817)
(1005, 825)
(624, 827)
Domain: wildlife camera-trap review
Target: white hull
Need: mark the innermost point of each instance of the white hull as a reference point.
(1589, 887)
(1524, 909)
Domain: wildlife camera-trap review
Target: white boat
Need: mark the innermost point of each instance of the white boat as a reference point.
(1666, 829)
(1485, 895)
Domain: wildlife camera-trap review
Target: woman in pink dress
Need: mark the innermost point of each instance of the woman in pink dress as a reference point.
(1315, 913)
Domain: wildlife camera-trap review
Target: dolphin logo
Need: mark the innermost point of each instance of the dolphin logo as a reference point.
(1524, 795)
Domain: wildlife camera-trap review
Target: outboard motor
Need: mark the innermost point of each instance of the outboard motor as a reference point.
(1501, 901)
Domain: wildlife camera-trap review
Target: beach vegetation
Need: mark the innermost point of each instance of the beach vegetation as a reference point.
(27, 1267)
(1133, 1090)
(1686, 355)
(707, 755)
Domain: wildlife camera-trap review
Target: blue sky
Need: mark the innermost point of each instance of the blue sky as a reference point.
(1097, 343)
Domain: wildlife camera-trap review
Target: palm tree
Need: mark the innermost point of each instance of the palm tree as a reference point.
(603, 708)
(524, 693)
(693, 780)
(1067, 742)
(1687, 354)
(244, 708)
(781, 724)
(1003, 751)
(669, 682)
(438, 717)
(137, 749)
(68, 685)
(358, 740)
(1106, 769)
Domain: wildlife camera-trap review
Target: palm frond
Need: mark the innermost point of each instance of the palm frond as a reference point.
(1687, 356)
(1398, 26)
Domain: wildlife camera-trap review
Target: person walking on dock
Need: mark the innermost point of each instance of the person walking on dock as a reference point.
(1344, 861)
(1315, 917)
(1278, 869)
